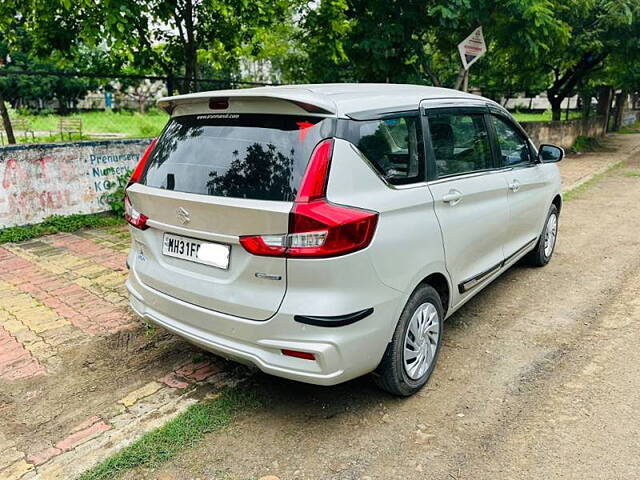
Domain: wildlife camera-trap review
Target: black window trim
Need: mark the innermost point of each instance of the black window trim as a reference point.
(385, 115)
(432, 174)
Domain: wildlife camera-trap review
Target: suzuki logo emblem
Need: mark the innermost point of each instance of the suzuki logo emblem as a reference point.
(183, 215)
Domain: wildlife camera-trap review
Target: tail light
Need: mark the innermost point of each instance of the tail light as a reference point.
(131, 215)
(317, 228)
(137, 172)
(134, 217)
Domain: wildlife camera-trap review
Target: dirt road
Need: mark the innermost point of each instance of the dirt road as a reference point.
(538, 378)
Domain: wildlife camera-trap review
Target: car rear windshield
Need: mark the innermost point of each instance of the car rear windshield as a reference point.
(255, 156)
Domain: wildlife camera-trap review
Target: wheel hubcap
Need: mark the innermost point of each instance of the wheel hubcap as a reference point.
(550, 234)
(421, 341)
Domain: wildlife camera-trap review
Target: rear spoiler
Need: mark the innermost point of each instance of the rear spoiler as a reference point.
(304, 99)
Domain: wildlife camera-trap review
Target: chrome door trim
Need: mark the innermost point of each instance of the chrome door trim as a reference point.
(467, 285)
(472, 282)
(478, 173)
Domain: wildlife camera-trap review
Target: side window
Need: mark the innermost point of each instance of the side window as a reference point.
(460, 143)
(514, 148)
(393, 145)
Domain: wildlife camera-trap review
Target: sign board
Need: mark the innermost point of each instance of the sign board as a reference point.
(472, 48)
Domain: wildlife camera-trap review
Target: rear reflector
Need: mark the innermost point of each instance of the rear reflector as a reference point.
(297, 354)
(317, 228)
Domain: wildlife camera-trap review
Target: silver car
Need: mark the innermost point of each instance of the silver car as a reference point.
(323, 232)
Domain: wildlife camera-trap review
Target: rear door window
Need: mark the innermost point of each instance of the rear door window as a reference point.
(460, 143)
(394, 146)
(255, 156)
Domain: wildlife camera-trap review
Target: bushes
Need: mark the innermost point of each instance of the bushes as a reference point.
(115, 199)
(57, 223)
(587, 144)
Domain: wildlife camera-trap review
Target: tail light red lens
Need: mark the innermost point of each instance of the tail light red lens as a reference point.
(321, 229)
(314, 182)
(137, 172)
(317, 228)
(265, 245)
(132, 216)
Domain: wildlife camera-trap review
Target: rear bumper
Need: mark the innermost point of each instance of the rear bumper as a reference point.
(341, 353)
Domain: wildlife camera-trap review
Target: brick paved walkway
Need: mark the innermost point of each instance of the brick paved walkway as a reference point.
(63, 297)
(61, 289)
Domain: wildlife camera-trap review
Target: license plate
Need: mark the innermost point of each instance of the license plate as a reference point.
(207, 253)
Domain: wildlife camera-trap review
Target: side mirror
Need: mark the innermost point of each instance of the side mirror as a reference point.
(550, 153)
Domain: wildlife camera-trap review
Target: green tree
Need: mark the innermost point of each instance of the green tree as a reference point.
(416, 41)
(173, 36)
(600, 30)
(316, 52)
(17, 54)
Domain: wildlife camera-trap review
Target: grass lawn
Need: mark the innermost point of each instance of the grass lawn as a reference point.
(633, 128)
(131, 124)
(184, 431)
(541, 117)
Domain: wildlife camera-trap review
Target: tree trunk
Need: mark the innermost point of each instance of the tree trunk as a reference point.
(460, 80)
(170, 83)
(6, 121)
(565, 84)
(585, 105)
(191, 52)
(621, 103)
(556, 105)
(604, 105)
(435, 81)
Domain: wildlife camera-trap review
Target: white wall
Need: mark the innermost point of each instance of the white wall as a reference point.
(38, 181)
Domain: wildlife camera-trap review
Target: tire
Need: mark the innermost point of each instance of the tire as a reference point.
(392, 375)
(541, 255)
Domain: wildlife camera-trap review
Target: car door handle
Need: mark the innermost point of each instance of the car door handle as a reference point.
(452, 197)
(514, 186)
